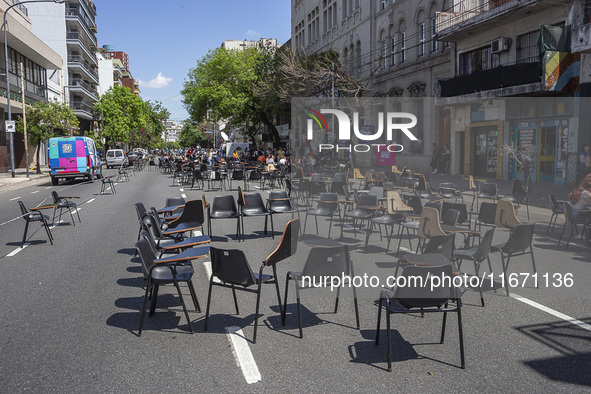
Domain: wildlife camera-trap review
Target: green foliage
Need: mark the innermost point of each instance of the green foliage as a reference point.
(231, 84)
(191, 135)
(46, 120)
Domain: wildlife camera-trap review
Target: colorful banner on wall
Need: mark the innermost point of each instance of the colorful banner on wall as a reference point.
(561, 71)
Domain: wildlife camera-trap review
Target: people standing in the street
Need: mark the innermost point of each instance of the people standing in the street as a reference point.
(434, 158)
(445, 159)
(580, 199)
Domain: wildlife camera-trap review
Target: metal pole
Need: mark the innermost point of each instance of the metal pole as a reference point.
(11, 138)
(24, 117)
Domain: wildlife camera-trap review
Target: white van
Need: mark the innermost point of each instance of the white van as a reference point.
(115, 157)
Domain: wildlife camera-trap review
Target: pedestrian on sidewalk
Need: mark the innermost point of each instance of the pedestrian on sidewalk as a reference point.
(434, 158)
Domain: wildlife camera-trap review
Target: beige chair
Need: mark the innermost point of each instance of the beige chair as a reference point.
(506, 216)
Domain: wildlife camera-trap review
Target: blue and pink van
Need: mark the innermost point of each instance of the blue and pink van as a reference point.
(73, 157)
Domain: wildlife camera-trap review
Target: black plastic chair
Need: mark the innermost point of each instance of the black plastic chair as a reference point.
(450, 218)
(223, 207)
(231, 269)
(487, 190)
(142, 216)
(519, 244)
(162, 274)
(461, 207)
(238, 175)
(573, 223)
(252, 205)
(190, 219)
(364, 210)
(107, 182)
(519, 195)
(65, 203)
(339, 181)
(34, 216)
(279, 202)
(477, 254)
(557, 210)
(429, 299)
(440, 244)
(326, 209)
(447, 190)
(197, 178)
(486, 215)
(322, 262)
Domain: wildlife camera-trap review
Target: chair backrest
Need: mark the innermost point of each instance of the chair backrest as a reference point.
(224, 205)
(436, 205)
(155, 223)
(429, 223)
(388, 186)
(230, 266)
(193, 212)
(357, 174)
(346, 193)
(323, 262)
(173, 201)
(556, 208)
(253, 203)
(569, 214)
(339, 177)
(505, 215)
(56, 198)
(489, 189)
(283, 200)
(317, 187)
(415, 203)
(422, 295)
(197, 174)
(517, 190)
(395, 203)
(367, 200)
(288, 245)
(485, 243)
(328, 197)
(24, 210)
(147, 256)
(421, 184)
(442, 244)
(255, 175)
(145, 233)
(487, 213)
(451, 217)
(460, 207)
(471, 184)
(377, 191)
(520, 239)
(140, 209)
(316, 177)
(237, 175)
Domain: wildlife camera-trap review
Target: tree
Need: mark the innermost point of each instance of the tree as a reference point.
(120, 113)
(191, 135)
(46, 120)
(151, 135)
(225, 85)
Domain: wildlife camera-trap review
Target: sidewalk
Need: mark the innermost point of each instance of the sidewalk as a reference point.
(7, 182)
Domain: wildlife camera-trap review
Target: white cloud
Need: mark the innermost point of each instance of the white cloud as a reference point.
(253, 34)
(157, 83)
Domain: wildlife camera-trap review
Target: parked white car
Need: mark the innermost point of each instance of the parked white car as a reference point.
(115, 158)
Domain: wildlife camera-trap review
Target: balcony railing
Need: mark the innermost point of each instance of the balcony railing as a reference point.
(463, 10)
(495, 78)
(84, 85)
(77, 37)
(74, 13)
(79, 60)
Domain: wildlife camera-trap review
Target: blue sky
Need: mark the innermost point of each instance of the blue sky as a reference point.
(164, 39)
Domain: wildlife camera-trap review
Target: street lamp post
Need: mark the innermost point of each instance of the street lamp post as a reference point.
(4, 26)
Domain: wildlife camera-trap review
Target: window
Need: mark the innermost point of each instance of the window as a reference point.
(421, 39)
(434, 42)
(402, 47)
(383, 2)
(313, 26)
(329, 15)
(383, 54)
(527, 50)
(477, 60)
(358, 58)
(392, 51)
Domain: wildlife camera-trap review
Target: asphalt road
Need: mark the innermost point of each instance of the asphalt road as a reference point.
(70, 314)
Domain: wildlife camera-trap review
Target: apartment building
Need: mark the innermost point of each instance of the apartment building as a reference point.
(391, 47)
(242, 44)
(172, 131)
(511, 48)
(121, 58)
(70, 30)
(40, 65)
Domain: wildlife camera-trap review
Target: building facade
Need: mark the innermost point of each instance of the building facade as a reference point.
(70, 30)
(507, 49)
(41, 67)
(172, 131)
(121, 59)
(390, 46)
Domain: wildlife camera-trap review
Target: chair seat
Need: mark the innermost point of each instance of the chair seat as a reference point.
(358, 214)
(388, 219)
(465, 252)
(254, 212)
(163, 274)
(320, 212)
(414, 225)
(284, 210)
(187, 242)
(187, 226)
(223, 215)
(65, 204)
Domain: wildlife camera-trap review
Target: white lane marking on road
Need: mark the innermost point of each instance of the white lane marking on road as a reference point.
(89, 201)
(182, 190)
(243, 355)
(36, 191)
(17, 250)
(12, 199)
(55, 224)
(551, 311)
(48, 187)
(183, 195)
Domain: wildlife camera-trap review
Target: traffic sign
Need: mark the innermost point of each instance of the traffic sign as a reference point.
(10, 126)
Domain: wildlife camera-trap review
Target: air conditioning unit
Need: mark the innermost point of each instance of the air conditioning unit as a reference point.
(500, 45)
